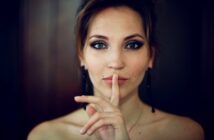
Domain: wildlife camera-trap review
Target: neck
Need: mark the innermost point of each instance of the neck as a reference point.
(131, 108)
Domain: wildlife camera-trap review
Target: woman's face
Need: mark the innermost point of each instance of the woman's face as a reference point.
(116, 43)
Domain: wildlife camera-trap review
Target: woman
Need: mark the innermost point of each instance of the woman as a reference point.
(116, 47)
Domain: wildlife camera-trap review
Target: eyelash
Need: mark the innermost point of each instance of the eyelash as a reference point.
(137, 45)
(95, 43)
(130, 45)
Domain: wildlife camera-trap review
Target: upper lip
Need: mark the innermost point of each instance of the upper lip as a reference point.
(111, 77)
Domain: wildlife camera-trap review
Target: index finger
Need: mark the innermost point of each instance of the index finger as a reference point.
(115, 91)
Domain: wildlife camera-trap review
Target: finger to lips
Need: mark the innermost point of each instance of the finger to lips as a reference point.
(115, 91)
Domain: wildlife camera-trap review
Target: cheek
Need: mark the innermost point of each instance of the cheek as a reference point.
(138, 70)
(93, 65)
(92, 60)
(139, 63)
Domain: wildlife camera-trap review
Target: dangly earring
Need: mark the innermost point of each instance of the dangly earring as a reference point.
(86, 85)
(149, 89)
(84, 78)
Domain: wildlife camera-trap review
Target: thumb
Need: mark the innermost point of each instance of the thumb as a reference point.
(90, 110)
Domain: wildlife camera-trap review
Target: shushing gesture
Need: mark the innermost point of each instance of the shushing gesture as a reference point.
(105, 118)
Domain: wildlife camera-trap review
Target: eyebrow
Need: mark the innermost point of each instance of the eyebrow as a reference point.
(99, 36)
(134, 35)
(126, 38)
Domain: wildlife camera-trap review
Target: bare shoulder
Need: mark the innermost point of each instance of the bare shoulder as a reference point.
(181, 128)
(66, 127)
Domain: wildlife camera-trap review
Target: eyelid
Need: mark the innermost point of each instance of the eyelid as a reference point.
(94, 42)
(134, 40)
(97, 40)
(141, 43)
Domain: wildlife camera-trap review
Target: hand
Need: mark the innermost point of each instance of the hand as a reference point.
(106, 120)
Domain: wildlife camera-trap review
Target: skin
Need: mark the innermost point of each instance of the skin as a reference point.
(116, 107)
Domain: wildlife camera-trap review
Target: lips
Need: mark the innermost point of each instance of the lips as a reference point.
(121, 80)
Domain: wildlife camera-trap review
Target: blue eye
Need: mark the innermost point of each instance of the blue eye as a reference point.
(134, 45)
(98, 45)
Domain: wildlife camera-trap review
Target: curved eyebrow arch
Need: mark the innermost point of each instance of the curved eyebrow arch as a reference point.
(99, 36)
(126, 38)
(132, 36)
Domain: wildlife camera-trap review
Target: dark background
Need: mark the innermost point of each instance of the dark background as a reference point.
(39, 72)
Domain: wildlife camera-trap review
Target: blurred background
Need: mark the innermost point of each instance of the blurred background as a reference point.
(39, 70)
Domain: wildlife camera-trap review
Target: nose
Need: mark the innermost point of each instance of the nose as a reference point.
(116, 60)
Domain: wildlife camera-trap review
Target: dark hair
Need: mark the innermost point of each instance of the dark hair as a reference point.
(89, 8)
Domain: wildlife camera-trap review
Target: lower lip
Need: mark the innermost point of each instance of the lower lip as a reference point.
(120, 82)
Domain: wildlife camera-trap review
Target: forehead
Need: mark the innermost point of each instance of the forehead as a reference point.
(120, 20)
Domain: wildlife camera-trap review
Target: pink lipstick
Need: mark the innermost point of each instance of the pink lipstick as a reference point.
(121, 80)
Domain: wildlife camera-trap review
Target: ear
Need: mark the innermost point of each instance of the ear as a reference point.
(82, 60)
(152, 57)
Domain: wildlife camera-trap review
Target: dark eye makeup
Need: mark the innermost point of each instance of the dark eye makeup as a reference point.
(129, 45)
(98, 45)
(134, 45)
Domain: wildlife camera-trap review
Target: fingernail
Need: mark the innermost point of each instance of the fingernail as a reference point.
(76, 97)
(89, 133)
(82, 131)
